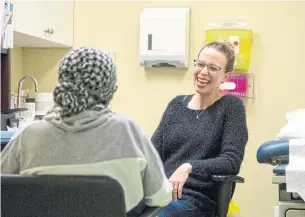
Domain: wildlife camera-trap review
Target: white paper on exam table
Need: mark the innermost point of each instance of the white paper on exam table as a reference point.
(295, 171)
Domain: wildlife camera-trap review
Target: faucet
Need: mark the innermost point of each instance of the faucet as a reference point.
(20, 86)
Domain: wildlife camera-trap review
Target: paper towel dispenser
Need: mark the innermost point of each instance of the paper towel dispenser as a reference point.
(164, 37)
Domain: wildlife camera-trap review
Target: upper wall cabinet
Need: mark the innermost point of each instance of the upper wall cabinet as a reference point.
(43, 23)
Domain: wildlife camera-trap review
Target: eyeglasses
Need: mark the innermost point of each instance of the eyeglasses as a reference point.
(210, 67)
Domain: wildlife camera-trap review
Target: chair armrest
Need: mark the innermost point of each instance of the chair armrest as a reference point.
(225, 188)
(151, 212)
(229, 178)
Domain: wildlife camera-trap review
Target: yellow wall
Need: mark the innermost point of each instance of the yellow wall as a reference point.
(43, 64)
(16, 67)
(38, 62)
(277, 61)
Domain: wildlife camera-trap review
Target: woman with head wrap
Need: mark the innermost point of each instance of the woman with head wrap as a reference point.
(80, 134)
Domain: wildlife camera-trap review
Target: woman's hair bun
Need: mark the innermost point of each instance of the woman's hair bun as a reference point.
(230, 45)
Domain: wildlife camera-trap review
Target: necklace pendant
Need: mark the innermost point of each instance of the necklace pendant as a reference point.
(197, 116)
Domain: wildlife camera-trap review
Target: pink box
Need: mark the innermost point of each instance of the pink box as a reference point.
(241, 88)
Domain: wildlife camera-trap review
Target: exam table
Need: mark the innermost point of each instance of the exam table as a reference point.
(276, 153)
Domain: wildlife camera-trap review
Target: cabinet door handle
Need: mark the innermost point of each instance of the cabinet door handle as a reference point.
(50, 31)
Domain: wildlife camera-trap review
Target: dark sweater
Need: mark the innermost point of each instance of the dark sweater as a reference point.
(214, 144)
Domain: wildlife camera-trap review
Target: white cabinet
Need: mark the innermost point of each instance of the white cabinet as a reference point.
(43, 23)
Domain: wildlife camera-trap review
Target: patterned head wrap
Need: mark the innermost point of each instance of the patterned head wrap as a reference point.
(87, 80)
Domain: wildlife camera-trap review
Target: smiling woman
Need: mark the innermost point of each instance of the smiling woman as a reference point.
(201, 135)
(214, 64)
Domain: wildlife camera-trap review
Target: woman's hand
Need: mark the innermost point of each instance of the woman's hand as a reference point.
(178, 178)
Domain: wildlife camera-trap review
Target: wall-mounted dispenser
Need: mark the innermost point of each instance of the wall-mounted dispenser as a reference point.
(241, 85)
(164, 37)
(235, 30)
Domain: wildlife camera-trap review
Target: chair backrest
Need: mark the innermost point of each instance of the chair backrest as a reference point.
(225, 194)
(68, 196)
(225, 187)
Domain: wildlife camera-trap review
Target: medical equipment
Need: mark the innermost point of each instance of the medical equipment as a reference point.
(237, 31)
(278, 153)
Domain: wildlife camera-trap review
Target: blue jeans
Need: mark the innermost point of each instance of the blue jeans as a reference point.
(181, 208)
(178, 208)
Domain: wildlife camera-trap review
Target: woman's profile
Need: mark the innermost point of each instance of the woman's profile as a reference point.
(82, 136)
